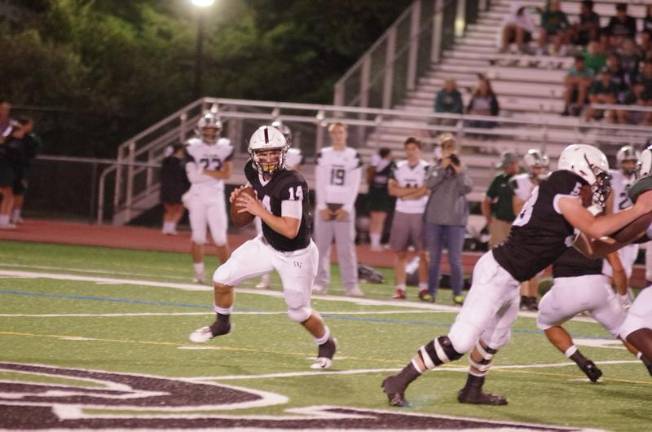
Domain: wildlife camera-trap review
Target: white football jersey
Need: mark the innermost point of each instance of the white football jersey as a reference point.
(203, 156)
(620, 184)
(522, 185)
(338, 176)
(293, 158)
(412, 177)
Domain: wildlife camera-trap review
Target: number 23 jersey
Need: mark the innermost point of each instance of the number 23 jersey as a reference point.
(202, 156)
(284, 186)
(540, 234)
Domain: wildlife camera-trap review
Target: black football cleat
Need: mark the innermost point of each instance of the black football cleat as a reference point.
(591, 371)
(395, 392)
(475, 395)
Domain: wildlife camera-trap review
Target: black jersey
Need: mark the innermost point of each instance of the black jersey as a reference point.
(284, 185)
(572, 264)
(540, 234)
(381, 177)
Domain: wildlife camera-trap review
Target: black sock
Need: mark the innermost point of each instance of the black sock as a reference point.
(327, 349)
(579, 359)
(222, 324)
(408, 374)
(473, 381)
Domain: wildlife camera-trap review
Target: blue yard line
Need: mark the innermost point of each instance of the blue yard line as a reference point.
(101, 299)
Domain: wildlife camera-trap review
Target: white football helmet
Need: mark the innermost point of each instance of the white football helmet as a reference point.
(264, 139)
(627, 153)
(536, 159)
(287, 133)
(591, 164)
(644, 168)
(209, 126)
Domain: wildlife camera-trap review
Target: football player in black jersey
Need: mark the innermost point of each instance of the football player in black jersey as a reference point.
(285, 245)
(543, 230)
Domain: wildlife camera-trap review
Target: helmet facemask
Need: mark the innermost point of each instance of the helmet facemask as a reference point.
(268, 161)
(601, 187)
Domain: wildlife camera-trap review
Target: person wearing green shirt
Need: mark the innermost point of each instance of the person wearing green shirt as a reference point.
(555, 27)
(602, 91)
(497, 205)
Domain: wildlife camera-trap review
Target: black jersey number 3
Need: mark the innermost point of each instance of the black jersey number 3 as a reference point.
(338, 176)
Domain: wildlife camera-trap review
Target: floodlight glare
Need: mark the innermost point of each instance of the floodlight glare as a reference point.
(203, 3)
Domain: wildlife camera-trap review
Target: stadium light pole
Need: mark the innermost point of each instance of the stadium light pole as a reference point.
(200, 5)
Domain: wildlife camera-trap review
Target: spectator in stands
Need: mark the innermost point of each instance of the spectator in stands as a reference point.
(621, 24)
(5, 119)
(26, 149)
(588, 27)
(555, 29)
(518, 27)
(630, 60)
(449, 100)
(635, 96)
(380, 202)
(497, 205)
(483, 102)
(645, 45)
(647, 21)
(174, 183)
(617, 75)
(446, 216)
(408, 186)
(645, 81)
(602, 91)
(595, 57)
(577, 83)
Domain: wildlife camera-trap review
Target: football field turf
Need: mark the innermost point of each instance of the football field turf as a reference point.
(97, 335)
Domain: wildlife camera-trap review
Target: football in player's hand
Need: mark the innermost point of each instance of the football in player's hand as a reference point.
(243, 218)
(633, 230)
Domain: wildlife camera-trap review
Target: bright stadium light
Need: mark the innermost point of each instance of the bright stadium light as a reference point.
(200, 4)
(203, 3)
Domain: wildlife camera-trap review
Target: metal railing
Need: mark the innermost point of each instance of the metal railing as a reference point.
(405, 52)
(136, 177)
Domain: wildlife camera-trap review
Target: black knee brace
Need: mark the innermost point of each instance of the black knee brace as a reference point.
(438, 352)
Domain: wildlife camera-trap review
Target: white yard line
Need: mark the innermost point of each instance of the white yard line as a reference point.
(277, 294)
(154, 314)
(387, 370)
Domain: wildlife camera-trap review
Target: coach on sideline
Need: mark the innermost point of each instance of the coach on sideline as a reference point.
(446, 215)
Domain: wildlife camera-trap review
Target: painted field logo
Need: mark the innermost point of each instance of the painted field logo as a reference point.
(26, 405)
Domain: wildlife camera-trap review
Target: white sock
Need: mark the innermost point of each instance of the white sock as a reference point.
(173, 226)
(199, 268)
(400, 287)
(166, 227)
(375, 239)
(222, 311)
(639, 355)
(324, 338)
(4, 219)
(423, 286)
(570, 351)
(15, 215)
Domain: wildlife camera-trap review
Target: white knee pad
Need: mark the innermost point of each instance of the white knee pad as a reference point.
(223, 275)
(199, 239)
(299, 314)
(463, 336)
(499, 338)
